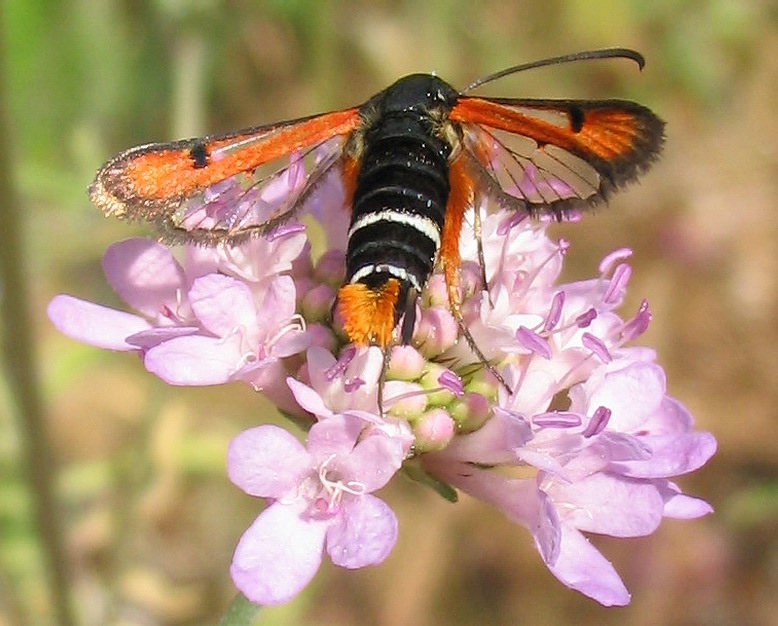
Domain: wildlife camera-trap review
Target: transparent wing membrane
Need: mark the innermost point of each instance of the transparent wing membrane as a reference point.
(541, 179)
(557, 156)
(253, 203)
(224, 188)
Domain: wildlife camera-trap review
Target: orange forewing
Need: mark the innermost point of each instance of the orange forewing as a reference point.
(615, 136)
(148, 180)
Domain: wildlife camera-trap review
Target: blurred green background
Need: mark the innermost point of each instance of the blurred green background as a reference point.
(146, 515)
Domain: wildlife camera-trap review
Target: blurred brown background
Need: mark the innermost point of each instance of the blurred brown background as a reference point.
(148, 517)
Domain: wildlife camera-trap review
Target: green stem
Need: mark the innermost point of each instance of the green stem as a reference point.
(241, 612)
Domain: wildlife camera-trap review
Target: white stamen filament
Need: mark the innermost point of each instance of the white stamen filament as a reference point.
(335, 488)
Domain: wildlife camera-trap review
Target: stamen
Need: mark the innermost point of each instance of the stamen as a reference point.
(246, 358)
(557, 419)
(585, 319)
(399, 399)
(530, 278)
(352, 384)
(554, 311)
(286, 230)
(638, 324)
(596, 345)
(174, 315)
(618, 284)
(240, 331)
(514, 219)
(335, 488)
(451, 382)
(166, 312)
(614, 257)
(524, 368)
(295, 323)
(597, 422)
(341, 364)
(533, 342)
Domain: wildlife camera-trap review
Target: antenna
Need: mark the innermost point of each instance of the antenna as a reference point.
(605, 53)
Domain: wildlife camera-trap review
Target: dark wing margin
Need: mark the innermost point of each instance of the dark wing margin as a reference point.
(556, 157)
(224, 188)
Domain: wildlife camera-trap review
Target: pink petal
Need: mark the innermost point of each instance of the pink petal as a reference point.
(672, 455)
(497, 441)
(632, 394)
(613, 447)
(307, 398)
(278, 555)
(542, 460)
(253, 368)
(680, 506)
(335, 435)
(199, 260)
(267, 461)
(193, 360)
(671, 418)
(292, 342)
(580, 566)
(271, 379)
(374, 461)
(283, 251)
(547, 531)
(604, 504)
(258, 258)
(94, 324)
(154, 336)
(363, 534)
(319, 361)
(278, 304)
(518, 499)
(145, 274)
(366, 365)
(223, 304)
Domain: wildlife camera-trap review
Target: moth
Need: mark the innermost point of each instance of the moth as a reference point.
(412, 160)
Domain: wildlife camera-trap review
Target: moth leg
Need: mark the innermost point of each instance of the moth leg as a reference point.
(477, 224)
(387, 357)
(461, 196)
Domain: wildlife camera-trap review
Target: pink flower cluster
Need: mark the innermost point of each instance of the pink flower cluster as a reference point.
(587, 419)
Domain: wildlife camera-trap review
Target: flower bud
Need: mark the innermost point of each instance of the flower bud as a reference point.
(433, 430)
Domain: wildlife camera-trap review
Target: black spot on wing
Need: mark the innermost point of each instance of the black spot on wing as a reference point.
(576, 115)
(199, 155)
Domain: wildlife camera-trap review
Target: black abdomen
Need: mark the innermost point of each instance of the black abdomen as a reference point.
(399, 203)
